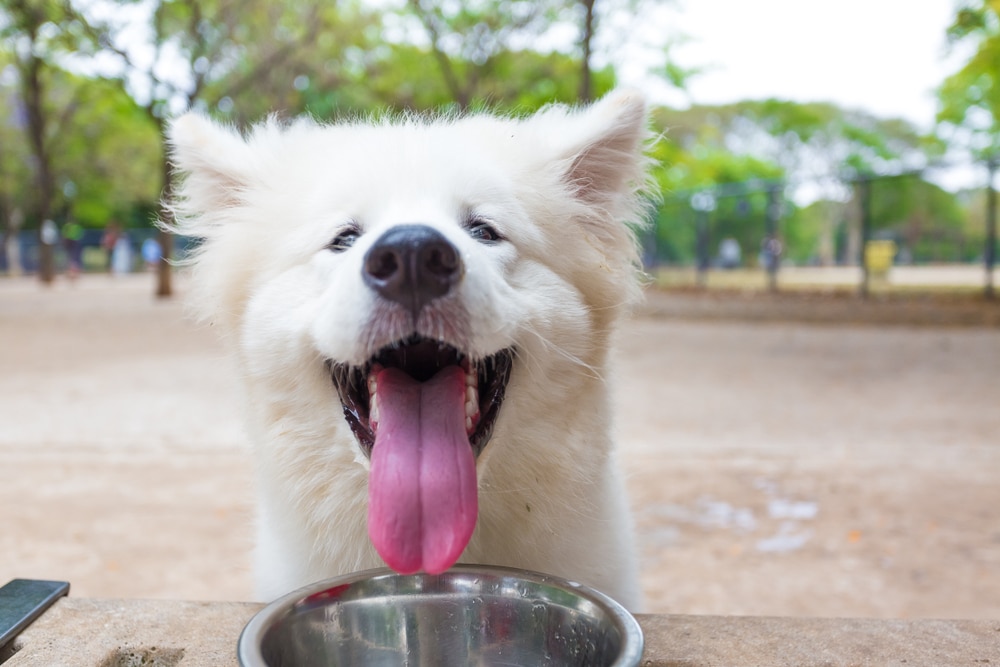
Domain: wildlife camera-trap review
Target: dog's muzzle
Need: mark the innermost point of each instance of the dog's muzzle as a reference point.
(421, 409)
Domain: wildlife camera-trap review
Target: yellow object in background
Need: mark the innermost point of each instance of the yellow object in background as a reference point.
(879, 256)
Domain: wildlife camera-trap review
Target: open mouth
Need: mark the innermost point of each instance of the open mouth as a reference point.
(422, 359)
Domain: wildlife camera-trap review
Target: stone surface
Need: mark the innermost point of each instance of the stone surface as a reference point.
(737, 641)
(164, 633)
(130, 633)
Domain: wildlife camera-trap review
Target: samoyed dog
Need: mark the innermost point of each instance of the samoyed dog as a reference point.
(421, 310)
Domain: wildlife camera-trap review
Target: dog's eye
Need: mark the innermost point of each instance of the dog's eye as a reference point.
(344, 240)
(480, 230)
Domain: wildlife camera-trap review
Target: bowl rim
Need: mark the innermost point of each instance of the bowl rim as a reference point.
(248, 648)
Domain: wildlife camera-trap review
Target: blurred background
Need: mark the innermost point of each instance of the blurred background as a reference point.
(809, 397)
(789, 136)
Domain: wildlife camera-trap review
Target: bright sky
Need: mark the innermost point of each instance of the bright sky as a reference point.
(884, 56)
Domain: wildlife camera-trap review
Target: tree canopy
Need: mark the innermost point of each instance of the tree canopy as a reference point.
(86, 87)
(970, 98)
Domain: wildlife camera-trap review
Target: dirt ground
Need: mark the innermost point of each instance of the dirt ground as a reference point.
(775, 468)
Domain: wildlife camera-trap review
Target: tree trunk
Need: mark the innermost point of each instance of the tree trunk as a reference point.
(989, 252)
(31, 82)
(164, 270)
(586, 86)
(458, 93)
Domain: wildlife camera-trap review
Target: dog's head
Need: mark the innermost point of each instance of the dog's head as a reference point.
(418, 270)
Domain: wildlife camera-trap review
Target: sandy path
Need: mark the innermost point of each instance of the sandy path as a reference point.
(774, 468)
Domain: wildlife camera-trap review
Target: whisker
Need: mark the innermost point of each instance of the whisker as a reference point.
(572, 358)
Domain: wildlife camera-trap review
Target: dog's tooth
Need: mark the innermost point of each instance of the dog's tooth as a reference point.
(471, 401)
(468, 424)
(372, 385)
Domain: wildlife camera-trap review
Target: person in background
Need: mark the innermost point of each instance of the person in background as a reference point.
(108, 241)
(121, 255)
(72, 234)
(151, 253)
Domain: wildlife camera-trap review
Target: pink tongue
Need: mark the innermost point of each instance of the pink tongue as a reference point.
(422, 504)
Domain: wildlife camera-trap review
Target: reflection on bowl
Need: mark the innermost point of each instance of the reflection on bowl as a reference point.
(470, 615)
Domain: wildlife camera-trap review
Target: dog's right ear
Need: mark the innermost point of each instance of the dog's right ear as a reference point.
(214, 158)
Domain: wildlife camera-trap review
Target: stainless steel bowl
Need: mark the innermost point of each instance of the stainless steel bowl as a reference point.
(470, 615)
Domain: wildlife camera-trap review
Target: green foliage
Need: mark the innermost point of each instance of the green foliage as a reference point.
(33, 36)
(15, 180)
(777, 140)
(281, 54)
(466, 39)
(107, 153)
(404, 79)
(680, 173)
(120, 177)
(969, 99)
(808, 232)
(816, 138)
(243, 59)
(920, 216)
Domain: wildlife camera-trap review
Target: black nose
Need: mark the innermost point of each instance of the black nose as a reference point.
(412, 265)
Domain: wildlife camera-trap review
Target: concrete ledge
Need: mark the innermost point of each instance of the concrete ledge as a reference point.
(165, 633)
(721, 641)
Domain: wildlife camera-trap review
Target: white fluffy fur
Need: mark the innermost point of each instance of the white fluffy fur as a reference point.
(560, 187)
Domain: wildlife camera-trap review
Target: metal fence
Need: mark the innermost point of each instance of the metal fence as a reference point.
(878, 222)
(93, 252)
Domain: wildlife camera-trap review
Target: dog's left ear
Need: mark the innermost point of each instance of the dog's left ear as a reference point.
(609, 162)
(598, 154)
(601, 147)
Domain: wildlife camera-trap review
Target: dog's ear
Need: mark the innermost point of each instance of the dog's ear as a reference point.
(214, 158)
(597, 154)
(597, 151)
(606, 148)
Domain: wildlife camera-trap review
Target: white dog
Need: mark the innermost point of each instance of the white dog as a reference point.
(421, 312)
